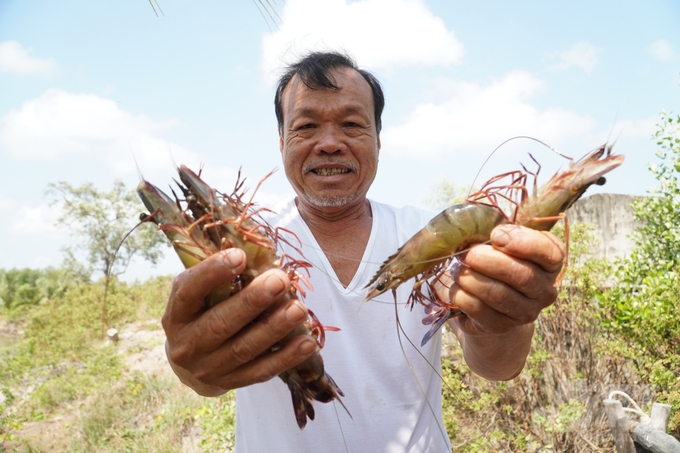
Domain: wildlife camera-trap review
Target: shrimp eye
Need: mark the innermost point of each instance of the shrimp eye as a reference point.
(380, 286)
(601, 180)
(143, 216)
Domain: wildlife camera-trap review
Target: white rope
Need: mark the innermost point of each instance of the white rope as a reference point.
(644, 418)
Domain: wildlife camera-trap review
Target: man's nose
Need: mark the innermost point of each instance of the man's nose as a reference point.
(330, 141)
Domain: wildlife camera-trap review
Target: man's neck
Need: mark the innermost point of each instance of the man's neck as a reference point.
(341, 233)
(335, 220)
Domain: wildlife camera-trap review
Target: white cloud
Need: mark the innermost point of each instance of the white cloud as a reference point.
(582, 55)
(476, 116)
(380, 34)
(6, 204)
(662, 50)
(60, 125)
(35, 221)
(14, 58)
(33, 238)
(28, 220)
(626, 130)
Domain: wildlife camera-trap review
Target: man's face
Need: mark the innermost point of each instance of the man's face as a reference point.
(329, 142)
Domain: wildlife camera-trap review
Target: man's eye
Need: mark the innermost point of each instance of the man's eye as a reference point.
(306, 126)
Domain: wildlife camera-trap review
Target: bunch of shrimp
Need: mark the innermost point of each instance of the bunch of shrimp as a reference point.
(205, 222)
(503, 199)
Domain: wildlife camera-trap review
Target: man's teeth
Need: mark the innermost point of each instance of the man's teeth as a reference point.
(330, 171)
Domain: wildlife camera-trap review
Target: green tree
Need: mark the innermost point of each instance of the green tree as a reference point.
(25, 287)
(446, 193)
(658, 241)
(643, 309)
(101, 222)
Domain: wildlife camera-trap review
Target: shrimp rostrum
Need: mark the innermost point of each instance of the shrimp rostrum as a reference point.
(503, 199)
(205, 222)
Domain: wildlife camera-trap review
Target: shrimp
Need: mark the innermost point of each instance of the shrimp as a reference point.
(428, 254)
(212, 222)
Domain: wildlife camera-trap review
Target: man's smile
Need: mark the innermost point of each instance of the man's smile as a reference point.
(330, 171)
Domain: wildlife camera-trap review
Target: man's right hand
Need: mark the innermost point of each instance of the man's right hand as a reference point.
(219, 349)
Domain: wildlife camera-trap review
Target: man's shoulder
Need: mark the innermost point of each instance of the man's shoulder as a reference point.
(404, 211)
(406, 217)
(273, 212)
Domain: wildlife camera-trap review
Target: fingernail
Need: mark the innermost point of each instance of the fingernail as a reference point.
(453, 290)
(454, 271)
(234, 257)
(273, 285)
(500, 237)
(295, 313)
(307, 347)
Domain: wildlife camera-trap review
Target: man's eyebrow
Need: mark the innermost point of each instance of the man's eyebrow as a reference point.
(310, 112)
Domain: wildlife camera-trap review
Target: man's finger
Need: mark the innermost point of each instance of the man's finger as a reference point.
(540, 247)
(268, 366)
(226, 319)
(192, 286)
(259, 336)
(479, 318)
(492, 265)
(522, 308)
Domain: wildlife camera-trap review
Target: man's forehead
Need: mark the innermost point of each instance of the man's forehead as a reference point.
(343, 78)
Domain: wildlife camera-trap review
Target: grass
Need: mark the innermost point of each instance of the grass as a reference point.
(66, 389)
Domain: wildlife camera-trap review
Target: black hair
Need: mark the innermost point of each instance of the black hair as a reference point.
(315, 72)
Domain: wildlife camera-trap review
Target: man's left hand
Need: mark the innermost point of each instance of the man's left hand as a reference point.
(502, 289)
(507, 283)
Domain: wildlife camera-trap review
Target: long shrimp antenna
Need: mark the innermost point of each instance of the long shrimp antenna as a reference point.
(134, 158)
(611, 129)
(400, 330)
(509, 140)
(172, 159)
(107, 279)
(342, 431)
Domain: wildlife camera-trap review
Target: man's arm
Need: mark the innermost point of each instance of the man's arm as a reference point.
(502, 289)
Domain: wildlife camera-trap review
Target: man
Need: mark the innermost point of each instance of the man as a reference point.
(329, 125)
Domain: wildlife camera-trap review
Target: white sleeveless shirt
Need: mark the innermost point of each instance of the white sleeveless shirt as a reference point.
(389, 411)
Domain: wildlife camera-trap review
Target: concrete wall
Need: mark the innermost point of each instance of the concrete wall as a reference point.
(612, 217)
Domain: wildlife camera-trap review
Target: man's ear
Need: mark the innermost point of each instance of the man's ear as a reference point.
(280, 141)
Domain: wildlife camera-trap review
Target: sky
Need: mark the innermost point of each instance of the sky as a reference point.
(92, 91)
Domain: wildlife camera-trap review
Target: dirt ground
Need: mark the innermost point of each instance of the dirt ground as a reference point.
(143, 347)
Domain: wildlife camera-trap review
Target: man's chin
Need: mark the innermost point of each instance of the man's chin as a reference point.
(330, 201)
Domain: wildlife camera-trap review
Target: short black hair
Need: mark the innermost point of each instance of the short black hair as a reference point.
(314, 71)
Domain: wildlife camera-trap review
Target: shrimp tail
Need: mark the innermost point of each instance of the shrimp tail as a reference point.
(437, 320)
(436, 316)
(301, 404)
(305, 386)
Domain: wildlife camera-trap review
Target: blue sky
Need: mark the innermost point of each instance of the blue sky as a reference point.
(86, 85)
